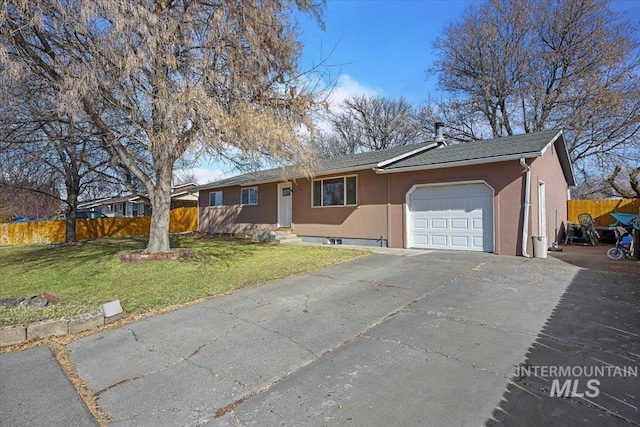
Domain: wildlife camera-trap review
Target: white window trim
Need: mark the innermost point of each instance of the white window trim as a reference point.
(542, 213)
(221, 199)
(249, 201)
(344, 178)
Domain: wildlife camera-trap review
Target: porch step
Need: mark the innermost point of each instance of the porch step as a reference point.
(290, 240)
(286, 236)
(275, 236)
(283, 235)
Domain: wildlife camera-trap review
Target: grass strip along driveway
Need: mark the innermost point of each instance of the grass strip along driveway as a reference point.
(84, 277)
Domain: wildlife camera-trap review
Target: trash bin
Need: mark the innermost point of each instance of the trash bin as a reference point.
(539, 246)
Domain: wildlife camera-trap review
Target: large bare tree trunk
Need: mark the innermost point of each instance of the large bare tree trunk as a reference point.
(160, 207)
(70, 219)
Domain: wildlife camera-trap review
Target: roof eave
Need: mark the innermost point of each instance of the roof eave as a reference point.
(470, 162)
(563, 156)
(285, 179)
(403, 156)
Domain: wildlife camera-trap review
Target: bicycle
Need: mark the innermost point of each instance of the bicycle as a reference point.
(624, 243)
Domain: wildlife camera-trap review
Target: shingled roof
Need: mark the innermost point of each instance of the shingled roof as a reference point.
(357, 161)
(485, 151)
(506, 146)
(427, 156)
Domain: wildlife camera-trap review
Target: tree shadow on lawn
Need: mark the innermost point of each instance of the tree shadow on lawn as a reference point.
(219, 248)
(595, 324)
(52, 256)
(107, 250)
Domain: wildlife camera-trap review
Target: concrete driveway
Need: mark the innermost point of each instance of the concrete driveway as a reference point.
(397, 338)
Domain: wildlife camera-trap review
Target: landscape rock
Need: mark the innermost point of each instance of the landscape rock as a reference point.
(111, 308)
(175, 254)
(48, 328)
(85, 321)
(52, 298)
(114, 318)
(14, 334)
(10, 302)
(39, 301)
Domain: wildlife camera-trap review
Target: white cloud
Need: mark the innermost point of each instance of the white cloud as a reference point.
(202, 174)
(346, 87)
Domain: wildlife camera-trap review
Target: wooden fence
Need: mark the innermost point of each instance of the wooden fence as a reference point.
(600, 209)
(28, 233)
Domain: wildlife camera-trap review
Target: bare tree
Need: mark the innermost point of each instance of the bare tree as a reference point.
(37, 138)
(632, 189)
(366, 123)
(156, 78)
(28, 190)
(463, 122)
(529, 65)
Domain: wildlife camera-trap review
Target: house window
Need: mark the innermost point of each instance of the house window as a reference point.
(335, 191)
(215, 198)
(249, 196)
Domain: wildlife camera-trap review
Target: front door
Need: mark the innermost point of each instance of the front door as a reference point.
(285, 205)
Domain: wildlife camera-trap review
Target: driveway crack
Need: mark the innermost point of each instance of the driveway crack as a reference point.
(274, 332)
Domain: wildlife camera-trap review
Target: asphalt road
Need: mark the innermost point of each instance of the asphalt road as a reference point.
(396, 338)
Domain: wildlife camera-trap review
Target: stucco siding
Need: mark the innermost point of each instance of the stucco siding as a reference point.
(237, 219)
(505, 178)
(366, 220)
(547, 169)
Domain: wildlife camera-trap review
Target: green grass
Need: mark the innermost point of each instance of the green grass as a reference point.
(84, 277)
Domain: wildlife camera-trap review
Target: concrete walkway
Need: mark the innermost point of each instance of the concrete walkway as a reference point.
(399, 338)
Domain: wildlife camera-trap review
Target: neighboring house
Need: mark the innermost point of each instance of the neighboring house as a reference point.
(487, 196)
(184, 195)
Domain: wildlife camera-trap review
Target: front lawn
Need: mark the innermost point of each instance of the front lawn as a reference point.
(84, 277)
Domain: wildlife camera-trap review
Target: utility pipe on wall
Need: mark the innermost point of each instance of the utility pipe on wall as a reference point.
(527, 207)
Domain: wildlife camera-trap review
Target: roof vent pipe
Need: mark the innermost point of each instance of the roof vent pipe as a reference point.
(439, 133)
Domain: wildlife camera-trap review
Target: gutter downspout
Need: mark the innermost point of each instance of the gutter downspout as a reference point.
(527, 206)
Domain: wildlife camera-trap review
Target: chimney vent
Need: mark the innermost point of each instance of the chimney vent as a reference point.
(439, 138)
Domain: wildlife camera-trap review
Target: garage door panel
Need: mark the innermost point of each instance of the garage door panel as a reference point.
(439, 240)
(439, 223)
(420, 224)
(461, 242)
(420, 240)
(452, 217)
(459, 223)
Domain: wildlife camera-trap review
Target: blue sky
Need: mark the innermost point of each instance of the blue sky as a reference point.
(380, 47)
(383, 46)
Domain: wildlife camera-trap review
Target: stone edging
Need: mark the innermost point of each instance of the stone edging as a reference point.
(15, 334)
(137, 256)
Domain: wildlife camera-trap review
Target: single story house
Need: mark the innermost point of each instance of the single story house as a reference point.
(490, 195)
(183, 195)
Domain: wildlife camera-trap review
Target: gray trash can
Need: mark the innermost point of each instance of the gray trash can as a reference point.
(539, 246)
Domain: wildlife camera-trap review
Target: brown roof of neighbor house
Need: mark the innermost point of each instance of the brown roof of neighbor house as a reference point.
(426, 156)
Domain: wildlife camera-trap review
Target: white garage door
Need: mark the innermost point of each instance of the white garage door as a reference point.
(451, 217)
